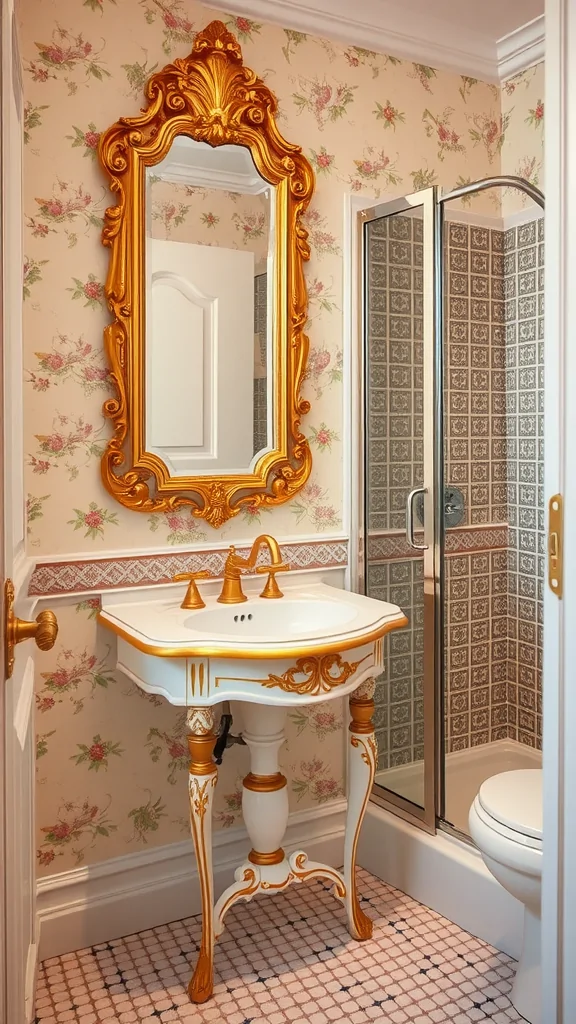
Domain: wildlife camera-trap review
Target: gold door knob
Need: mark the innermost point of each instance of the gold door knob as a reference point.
(43, 630)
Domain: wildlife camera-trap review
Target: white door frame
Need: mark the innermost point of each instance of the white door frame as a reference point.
(559, 678)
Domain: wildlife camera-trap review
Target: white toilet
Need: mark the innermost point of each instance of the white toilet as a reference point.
(506, 825)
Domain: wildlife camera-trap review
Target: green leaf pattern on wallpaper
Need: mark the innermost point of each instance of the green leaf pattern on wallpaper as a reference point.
(113, 761)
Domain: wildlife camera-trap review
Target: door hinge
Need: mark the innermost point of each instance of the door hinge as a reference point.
(555, 544)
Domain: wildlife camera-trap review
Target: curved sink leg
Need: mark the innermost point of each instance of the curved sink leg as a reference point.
(362, 755)
(201, 784)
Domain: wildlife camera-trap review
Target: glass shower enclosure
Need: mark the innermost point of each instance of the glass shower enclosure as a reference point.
(445, 334)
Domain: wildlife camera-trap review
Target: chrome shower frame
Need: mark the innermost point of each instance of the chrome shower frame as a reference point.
(430, 817)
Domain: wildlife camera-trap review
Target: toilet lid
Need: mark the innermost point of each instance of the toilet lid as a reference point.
(515, 799)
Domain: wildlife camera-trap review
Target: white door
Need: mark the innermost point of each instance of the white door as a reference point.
(200, 386)
(17, 895)
(559, 683)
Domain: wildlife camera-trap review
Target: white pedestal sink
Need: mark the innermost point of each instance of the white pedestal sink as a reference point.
(315, 644)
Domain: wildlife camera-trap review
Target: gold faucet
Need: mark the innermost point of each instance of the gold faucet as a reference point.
(235, 564)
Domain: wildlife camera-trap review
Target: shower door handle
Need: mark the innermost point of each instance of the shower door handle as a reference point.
(410, 518)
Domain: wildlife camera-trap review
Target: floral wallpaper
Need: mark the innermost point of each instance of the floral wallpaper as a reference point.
(523, 148)
(209, 216)
(368, 123)
(111, 762)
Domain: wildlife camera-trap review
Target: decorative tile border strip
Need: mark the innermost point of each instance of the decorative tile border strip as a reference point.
(91, 575)
(386, 547)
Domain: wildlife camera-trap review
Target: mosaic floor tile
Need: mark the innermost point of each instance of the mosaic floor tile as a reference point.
(288, 959)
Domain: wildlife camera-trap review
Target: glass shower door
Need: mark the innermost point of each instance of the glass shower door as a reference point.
(399, 527)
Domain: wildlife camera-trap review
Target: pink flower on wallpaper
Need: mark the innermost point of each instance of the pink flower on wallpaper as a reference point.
(323, 242)
(322, 161)
(489, 131)
(323, 437)
(244, 28)
(326, 102)
(233, 805)
(171, 215)
(91, 290)
(178, 29)
(320, 297)
(313, 779)
(390, 115)
(96, 754)
(73, 670)
(173, 744)
(94, 520)
(318, 360)
(251, 225)
(90, 605)
(311, 505)
(87, 139)
(320, 718)
(536, 115)
(357, 56)
(182, 527)
(78, 823)
(439, 125)
(45, 857)
(65, 53)
(252, 512)
(44, 703)
(66, 445)
(375, 167)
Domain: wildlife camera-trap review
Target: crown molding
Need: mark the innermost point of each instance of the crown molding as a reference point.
(521, 49)
(389, 28)
(379, 26)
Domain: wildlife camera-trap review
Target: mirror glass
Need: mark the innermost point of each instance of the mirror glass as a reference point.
(209, 311)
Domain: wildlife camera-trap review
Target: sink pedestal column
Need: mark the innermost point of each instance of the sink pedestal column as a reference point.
(265, 789)
(201, 784)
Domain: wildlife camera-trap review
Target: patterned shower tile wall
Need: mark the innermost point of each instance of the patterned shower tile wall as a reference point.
(524, 291)
(261, 383)
(399, 707)
(394, 301)
(395, 466)
(494, 368)
(475, 383)
(476, 645)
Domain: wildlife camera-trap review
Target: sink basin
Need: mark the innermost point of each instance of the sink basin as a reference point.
(260, 650)
(305, 616)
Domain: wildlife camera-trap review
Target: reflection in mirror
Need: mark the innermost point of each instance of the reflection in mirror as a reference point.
(209, 256)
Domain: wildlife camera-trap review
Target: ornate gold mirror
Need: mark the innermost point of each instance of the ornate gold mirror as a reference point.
(206, 286)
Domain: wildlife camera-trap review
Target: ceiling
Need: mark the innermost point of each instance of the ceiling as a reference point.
(492, 18)
(488, 39)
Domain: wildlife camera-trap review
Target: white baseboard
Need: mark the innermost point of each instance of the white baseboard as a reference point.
(443, 873)
(92, 904)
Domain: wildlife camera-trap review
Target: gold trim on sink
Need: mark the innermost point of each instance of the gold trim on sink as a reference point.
(206, 650)
(317, 672)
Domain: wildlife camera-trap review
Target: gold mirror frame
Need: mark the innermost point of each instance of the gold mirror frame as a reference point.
(212, 97)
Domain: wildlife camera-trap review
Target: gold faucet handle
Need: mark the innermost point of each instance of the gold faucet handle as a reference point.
(192, 597)
(271, 588)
